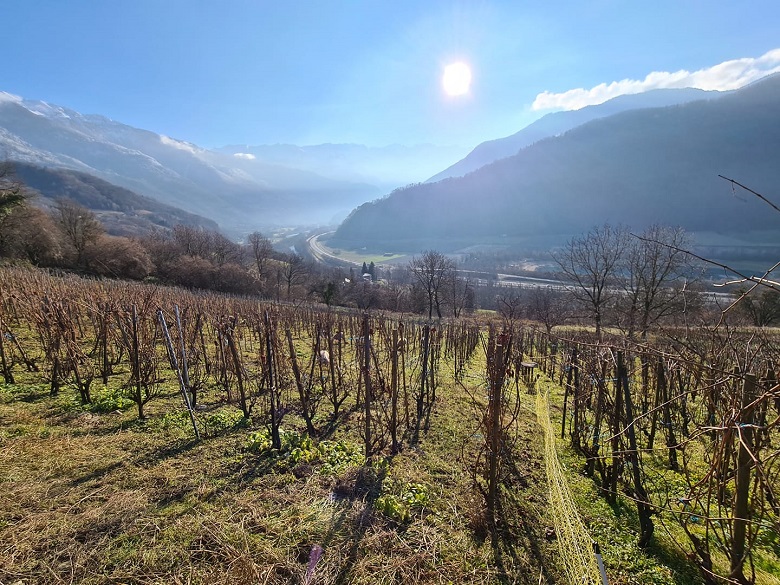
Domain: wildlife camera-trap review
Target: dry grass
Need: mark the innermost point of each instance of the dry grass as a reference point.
(88, 498)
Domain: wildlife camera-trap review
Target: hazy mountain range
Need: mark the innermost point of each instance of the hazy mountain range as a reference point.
(636, 167)
(385, 167)
(240, 188)
(557, 123)
(637, 159)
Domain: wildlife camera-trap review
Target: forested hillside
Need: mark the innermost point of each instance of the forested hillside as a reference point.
(559, 122)
(638, 167)
(121, 211)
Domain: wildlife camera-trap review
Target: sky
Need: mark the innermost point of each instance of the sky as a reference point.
(220, 72)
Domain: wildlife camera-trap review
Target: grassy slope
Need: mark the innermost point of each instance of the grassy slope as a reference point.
(94, 496)
(100, 497)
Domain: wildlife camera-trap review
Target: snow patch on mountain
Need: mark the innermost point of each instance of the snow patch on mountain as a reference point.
(186, 146)
(9, 97)
(46, 110)
(237, 191)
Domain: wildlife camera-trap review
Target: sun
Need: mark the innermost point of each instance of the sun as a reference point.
(456, 79)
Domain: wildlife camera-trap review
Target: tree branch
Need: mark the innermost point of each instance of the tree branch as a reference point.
(749, 190)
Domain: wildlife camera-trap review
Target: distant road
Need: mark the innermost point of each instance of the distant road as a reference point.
(321, 255)
(483, 277)
(531, 282)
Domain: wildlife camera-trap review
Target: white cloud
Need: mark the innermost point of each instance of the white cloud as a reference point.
(244, 155)
(722, 77)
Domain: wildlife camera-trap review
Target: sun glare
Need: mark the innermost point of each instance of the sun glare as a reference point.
(456, 79)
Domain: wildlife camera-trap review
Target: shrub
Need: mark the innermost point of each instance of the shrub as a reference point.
(411, 499)
(333, 456)
(104, 400)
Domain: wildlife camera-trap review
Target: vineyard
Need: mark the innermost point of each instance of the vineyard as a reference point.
(156, 435)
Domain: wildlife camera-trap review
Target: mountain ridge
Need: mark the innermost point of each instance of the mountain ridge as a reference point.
(122, 212)
(636, 167)
(387, 167)
(556, 123)
(238, 194)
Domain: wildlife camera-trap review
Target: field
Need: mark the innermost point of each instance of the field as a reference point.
(407, 452)
(97, 498)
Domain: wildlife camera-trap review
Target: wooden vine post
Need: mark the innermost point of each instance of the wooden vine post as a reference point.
(243, 399)
(569, 374)
(402, 373)
(185, 372)
(276, 440)
(394, 393)
(644, 509)
(7, 375)
(421, 396)
(334, 388)
(302, 392)
(105, 370)
(175, 367)
(671, 440)
(596, 438)
(136, 362)
(499, 353)
(741, 513)
(496, 375)
(434, 347)
(367, 379)
(617, 414)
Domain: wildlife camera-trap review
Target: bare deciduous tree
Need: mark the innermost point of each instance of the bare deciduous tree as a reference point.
(432, 271)
(654, 262)
(261, 250)
(293, 272)
(192, 241)
(461, 293)
(79, 226)
(119, 257)
(510, 306)
(30, 233)
(591, 263)
(547, 305)
(224, 251)
(762, 307)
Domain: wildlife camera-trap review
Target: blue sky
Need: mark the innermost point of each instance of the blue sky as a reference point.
(217, 72)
